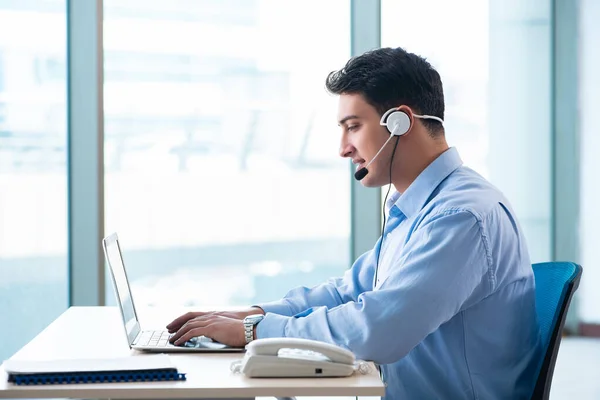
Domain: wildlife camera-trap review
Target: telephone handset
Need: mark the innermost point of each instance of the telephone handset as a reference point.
(292, 357)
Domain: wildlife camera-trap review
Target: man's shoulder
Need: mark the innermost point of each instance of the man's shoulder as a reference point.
(466, 191)
(471, 194)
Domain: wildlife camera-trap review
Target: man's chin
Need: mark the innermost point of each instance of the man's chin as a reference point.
(366, 182)
(371, 181)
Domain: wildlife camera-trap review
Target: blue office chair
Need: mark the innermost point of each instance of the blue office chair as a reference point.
(555, 284)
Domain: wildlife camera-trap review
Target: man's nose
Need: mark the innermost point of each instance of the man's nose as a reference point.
(345, 152)
(346, 149)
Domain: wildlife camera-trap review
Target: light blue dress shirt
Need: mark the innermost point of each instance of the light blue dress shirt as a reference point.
(452, 314)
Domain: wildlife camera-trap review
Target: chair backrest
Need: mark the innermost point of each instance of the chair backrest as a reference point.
(555, 284)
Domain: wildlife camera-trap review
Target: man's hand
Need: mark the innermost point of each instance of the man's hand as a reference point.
(177, 323)
(226, 330)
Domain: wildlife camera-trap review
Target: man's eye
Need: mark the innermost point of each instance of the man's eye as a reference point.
(353, 127)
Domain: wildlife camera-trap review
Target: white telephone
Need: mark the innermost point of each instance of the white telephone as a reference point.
(291, 357)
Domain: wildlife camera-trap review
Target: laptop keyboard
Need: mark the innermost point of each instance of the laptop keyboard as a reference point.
(155, 338)
(161, 339)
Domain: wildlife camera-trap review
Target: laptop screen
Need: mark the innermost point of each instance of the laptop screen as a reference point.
(114, 257)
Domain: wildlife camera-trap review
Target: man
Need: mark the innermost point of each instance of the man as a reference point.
(445, 301)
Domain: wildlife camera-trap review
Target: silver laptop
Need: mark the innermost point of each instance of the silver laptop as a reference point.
(147, 340)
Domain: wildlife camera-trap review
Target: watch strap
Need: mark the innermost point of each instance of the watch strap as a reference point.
(249, 324)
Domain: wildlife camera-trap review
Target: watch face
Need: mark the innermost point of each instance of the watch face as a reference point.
(254, 318)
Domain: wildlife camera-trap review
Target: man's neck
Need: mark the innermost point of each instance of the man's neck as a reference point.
(409, 171)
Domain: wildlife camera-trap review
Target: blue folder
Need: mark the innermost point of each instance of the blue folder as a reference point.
(145, 368)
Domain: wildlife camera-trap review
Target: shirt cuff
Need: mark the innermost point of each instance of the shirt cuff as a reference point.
(276, 307)
(272, 326)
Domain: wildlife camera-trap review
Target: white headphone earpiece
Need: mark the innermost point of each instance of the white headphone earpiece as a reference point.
(399, 123)
(396, 122)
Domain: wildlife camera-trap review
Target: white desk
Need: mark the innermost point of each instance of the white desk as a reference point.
(97, 332)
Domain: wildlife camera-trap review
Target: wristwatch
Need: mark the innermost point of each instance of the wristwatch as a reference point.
(249, 323)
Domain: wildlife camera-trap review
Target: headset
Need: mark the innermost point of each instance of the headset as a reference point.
(398, 124)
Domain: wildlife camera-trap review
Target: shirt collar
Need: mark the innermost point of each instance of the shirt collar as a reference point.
(413, 199)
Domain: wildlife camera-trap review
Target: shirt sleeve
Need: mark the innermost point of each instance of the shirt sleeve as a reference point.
(431, 279)
(330, 294)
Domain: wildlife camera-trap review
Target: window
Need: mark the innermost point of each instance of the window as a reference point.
(33, 177)
(1, 75)
(495, 61)
(222, 175)
(589, 126)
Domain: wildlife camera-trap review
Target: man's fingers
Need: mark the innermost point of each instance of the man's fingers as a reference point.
(181, 331)
(192, 333)
(177, 323)
(190, 325)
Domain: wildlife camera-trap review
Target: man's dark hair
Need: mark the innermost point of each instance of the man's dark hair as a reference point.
(389, 78)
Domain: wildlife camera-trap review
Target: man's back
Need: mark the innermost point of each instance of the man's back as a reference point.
(490, 349)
